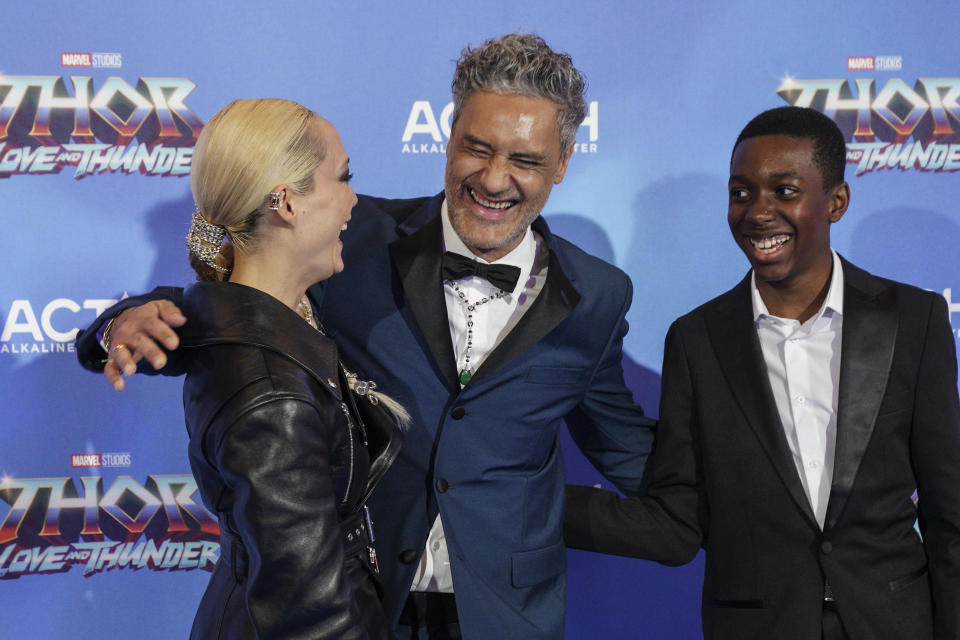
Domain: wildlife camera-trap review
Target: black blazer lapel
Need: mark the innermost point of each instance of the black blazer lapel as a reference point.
(417, 260)
(555, 302)
(870, 323)
(734, 338)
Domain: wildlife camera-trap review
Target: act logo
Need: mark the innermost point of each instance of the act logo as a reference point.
(425, 132)
(52, 330)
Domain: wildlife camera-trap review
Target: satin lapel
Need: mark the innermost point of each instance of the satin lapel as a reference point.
(870, 323)
(417, 260)
(555, 302)
(734, 338)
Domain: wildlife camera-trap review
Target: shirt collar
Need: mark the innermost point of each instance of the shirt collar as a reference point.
(833, 302)
(522, 256)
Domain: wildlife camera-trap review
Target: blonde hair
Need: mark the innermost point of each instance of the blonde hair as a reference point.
(244, 151)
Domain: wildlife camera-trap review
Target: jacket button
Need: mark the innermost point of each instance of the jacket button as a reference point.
(458, 412)
(826, 546)
(442, 485)
(408, 556)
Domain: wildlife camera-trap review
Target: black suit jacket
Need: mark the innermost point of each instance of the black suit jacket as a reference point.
(722, 472)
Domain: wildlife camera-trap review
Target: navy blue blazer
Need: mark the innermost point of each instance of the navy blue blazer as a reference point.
(486, 457)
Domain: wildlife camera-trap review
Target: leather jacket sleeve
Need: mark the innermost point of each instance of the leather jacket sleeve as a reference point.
(279, 499)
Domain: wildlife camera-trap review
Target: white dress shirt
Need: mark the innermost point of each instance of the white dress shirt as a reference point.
(803, 365)
(491, 322)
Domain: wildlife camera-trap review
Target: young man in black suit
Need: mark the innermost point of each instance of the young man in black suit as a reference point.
(800, 412)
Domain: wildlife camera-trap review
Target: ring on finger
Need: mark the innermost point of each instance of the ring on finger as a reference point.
(118, 346)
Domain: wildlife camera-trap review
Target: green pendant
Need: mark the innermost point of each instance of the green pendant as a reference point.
(465, 376)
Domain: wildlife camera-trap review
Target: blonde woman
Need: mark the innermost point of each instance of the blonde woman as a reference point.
(276, 444)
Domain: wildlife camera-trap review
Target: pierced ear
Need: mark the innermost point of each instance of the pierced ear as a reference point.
(279, 203)
(273, 199)
(839, 201)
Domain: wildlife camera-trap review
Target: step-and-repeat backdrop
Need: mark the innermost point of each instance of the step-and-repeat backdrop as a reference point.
(102, 533)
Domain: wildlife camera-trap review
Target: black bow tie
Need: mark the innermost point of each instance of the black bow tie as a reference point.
(456, 266)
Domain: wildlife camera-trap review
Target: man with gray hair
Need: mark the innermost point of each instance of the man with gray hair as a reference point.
(491, 331)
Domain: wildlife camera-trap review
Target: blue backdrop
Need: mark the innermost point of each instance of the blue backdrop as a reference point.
(99, 533)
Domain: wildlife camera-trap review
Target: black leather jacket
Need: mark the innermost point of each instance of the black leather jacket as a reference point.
(281, 459)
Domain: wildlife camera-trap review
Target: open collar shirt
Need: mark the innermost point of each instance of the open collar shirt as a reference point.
(803, 367)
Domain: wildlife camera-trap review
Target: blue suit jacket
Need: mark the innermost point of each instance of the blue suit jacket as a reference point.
(486, 457)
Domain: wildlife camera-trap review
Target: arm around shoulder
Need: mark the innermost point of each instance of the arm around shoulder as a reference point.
(91, 354)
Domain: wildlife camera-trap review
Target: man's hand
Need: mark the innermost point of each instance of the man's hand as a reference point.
(135, 335)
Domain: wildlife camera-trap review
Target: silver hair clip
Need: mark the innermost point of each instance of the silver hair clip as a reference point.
(204, 240)
(364, 388)
(274, 204)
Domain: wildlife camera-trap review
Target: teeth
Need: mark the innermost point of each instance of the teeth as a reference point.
(344, 227)
(488, 204)
(770, 244)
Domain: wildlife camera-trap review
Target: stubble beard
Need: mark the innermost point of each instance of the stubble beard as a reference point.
(489, 236)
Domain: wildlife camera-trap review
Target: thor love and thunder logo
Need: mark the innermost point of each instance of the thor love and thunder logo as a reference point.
(890, 126)
(146, 128)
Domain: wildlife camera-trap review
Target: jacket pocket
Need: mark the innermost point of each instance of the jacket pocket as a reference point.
(556, 375)
(907, 580)
(528, 568)
(894, 402)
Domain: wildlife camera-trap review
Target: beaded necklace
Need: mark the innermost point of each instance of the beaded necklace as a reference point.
(466, 373)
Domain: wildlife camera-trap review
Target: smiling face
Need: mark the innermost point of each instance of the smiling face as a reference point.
(325, 209)
(780, 214)
(502, 161)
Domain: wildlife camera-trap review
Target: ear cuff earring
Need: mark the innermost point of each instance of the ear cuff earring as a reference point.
(274, 204)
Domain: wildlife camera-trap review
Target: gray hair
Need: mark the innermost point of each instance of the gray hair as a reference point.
(523, 64)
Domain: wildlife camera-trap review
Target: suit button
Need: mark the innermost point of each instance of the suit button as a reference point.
(458, 412)
(408, 556)
(826, 546)
(442, 485)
